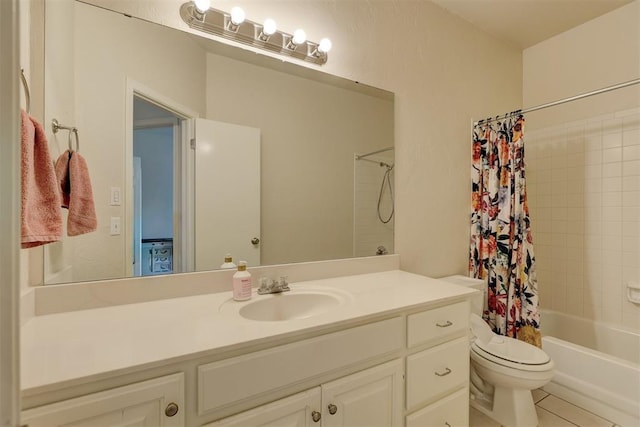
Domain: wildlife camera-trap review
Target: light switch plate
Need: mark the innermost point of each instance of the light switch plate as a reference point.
(116, 197)
(115, 226)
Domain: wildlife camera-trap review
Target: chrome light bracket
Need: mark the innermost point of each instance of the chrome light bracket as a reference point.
(216, 22)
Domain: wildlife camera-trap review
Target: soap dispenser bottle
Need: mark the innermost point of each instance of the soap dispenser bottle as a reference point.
(242, 283)
(228, 262)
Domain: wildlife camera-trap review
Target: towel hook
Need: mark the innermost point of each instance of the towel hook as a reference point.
(56, 126)
(27, 95)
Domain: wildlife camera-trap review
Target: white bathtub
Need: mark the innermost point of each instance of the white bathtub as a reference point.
(597, 366)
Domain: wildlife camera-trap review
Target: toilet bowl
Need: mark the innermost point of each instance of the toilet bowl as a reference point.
(503, 370)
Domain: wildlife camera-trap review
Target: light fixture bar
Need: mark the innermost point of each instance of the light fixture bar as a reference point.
(214, 21)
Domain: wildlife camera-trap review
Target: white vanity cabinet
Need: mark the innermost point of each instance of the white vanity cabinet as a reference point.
(156, 402)
(426, 386)
(396, 354)
(371, 398)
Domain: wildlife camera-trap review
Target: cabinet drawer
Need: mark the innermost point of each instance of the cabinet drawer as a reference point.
(437, 371)
(440, 322)
(225, 382)
(452, 411)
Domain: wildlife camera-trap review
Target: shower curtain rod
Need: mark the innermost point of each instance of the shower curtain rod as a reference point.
(362, 156)
(561, 101)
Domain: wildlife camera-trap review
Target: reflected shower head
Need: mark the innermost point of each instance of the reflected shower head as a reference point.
(388, 166)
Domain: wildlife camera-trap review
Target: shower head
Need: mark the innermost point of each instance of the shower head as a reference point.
(388, 166)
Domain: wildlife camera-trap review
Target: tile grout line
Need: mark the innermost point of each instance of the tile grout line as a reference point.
(561, 417)
(543, 399)
(585, 410)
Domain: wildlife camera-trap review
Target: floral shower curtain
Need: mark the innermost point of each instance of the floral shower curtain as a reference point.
(501, 250)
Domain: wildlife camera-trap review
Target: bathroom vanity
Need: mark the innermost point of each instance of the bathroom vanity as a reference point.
(384, 349)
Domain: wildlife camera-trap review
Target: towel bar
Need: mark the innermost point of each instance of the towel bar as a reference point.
(56, 126)
(27, 94)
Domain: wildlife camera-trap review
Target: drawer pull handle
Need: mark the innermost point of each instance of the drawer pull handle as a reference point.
(332, 408)
(315, 416)
(447, 424)
(444, 325)
(447, 371)
(171, 409)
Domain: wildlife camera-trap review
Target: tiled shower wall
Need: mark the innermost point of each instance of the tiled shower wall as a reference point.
(583, 183)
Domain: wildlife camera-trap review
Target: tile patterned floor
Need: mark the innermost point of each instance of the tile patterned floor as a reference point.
(552, 412)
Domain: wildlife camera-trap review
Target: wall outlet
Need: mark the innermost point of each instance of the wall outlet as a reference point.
(116, 197)
(115, 226)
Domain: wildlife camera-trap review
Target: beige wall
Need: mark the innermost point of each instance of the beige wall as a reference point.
(443, 72)
(584, 167)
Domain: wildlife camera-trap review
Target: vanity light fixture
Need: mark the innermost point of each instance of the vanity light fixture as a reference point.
(201, 6)
(268, 29)
(299, 37)
(234, 26)
(323, 48)
(234, 20)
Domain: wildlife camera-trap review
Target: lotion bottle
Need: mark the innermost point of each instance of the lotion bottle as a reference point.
(228, 262)
(242, 283)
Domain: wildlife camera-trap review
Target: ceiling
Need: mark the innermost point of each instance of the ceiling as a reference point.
(523, 23)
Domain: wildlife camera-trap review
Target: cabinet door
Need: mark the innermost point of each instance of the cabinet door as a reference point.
(299, 410)
(369, 398)
(145, 404)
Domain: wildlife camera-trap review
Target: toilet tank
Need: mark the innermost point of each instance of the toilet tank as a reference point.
(477, 302)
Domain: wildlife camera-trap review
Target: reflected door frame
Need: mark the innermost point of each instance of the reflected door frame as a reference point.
(183, 218)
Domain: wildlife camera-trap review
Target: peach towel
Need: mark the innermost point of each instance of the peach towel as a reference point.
(77, 195)
(41, 218)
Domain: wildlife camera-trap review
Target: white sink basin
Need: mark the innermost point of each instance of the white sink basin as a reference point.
(295, 304)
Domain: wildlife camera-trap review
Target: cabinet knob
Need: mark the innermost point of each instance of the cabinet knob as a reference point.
(315, 416)
(332, 408)
(255, 241)
(171, 409)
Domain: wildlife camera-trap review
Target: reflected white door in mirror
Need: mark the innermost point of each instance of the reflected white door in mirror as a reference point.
(227, 208)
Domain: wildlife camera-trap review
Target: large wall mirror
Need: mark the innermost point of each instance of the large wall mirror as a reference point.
(197, 149)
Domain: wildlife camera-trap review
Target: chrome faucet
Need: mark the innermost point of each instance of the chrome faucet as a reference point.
(268, 286)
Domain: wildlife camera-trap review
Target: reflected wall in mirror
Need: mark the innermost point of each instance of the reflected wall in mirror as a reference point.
(314, 200)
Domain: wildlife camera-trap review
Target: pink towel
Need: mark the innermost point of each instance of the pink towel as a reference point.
(62, 175)
(77, 195)
(41, 218)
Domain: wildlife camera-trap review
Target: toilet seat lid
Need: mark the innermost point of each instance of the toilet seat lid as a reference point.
(504, 348)
(512, 350)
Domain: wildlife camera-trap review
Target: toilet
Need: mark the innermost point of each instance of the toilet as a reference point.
(503, 370)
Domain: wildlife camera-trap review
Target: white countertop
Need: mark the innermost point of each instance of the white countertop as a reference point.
(79, 346)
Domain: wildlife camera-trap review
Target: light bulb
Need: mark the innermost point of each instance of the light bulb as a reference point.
(325, 45)
(299, 36)
(269, 27)
(202, 5)
(237, 15)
